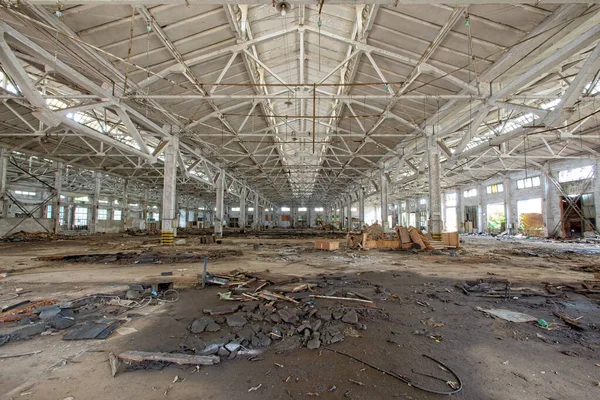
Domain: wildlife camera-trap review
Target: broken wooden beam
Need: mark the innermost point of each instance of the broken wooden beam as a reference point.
(181, 359)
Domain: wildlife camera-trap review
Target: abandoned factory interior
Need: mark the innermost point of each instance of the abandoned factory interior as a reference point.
(298, 199)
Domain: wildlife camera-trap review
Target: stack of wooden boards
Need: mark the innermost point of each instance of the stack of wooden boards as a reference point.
(412, 237)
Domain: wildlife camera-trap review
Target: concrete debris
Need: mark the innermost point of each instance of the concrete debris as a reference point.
(236, 320)
(350, 317)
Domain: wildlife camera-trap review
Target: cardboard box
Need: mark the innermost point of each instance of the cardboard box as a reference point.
(327, 244)
(370, 244)
(450, 239)
(388, 244)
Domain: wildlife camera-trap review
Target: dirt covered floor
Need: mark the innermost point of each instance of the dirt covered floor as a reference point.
(413, 303)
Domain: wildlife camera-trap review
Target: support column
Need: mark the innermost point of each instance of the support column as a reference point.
(168, 222)
(145, 209)
(125, 211)
(418, 221)
(95, 203)
(480, 219)
(256, 222)
(551, 206)
(361, 207)
(597, 194)
(3, 170)
(242, 217)
(349, 211)
(219, 213)
(384, 200)
(460, 219)
(435, 197)
(508, 208)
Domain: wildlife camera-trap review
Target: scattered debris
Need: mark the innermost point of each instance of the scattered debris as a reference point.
(3, 356)
(173, 358)
(512, 316)
(252, 389)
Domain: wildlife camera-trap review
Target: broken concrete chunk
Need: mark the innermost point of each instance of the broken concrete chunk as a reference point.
(337, 338)
(246, 333)
(200, 324)
(337, 314)
(27, 332)
(232, 346)
(288, 315)
(315, 326)
(209, 350)
(61, 323)
(255, 328)
(313, 344)
(49, 313)
(325, 315)
(212, 327)
(236, 320)
(350, 317)
(223, 352)
(221, 310)
(275, 318)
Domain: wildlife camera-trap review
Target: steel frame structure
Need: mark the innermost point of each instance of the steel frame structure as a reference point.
(554, 61)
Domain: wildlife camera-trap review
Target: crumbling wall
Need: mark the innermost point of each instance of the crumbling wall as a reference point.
(26, 225)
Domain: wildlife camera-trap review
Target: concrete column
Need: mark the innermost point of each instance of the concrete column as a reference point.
(220, 212)
(361, 206)
(95, 199)
(242, 217)
(125, 211)
(597, 194)
(418, 221)
(383, 188)
(435, 196)
(551, 206)
(256, 222)
(480, 212)
(71, 213)
(349, 211)
(511, 222)
(168, 215)
(56, 203)
(3, 171)
(145, 209)
(460, 219)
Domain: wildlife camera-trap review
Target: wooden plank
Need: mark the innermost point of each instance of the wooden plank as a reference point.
(403, 233)
(181, 359)
(416, 238)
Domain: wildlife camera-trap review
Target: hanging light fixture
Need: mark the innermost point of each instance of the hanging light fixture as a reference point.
(283, 7)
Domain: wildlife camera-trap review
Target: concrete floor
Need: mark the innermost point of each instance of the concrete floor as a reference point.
(496, 359)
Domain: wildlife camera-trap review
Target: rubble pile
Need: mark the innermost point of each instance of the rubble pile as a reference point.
(285, 317)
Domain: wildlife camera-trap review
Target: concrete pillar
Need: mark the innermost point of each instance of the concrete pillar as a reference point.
(57, 191)
(95, 203)
(168, 215)
(361, 207)
(480, 212)
(511, 222)
(551, 206)
(418, 221)
(125, 212)
(145, 206)
(220, 212)
(460, 219)
(71, 213)
(3, 171)
(349, 212)
(383, 188)
(435, 196)
(256, 221)
(242, 217)
(597, 194)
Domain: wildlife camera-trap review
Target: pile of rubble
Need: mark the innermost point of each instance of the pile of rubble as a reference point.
(286, 316)
(258, 325)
